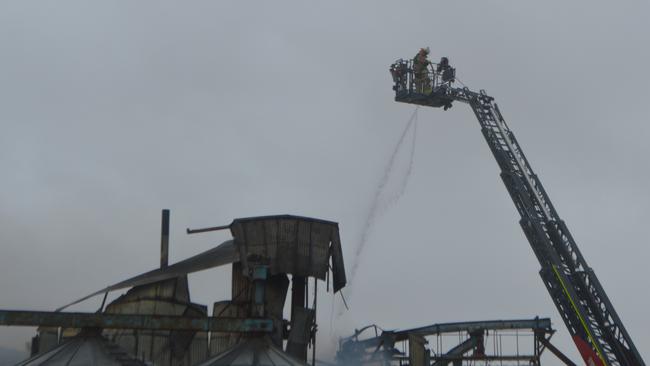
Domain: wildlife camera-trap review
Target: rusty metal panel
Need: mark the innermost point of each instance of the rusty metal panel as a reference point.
(338, 268)
(306, 245)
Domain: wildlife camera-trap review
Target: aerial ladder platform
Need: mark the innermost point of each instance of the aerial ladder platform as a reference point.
(589, 315)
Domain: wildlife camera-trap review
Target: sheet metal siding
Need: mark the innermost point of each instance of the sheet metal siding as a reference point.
(223, 341)
(163, 348)
(305, 246)
(220, 341)
(198, 350)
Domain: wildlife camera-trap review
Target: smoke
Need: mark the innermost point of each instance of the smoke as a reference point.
(390, 189)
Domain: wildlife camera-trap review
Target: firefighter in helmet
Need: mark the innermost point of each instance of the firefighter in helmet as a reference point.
(421, 71)
(399, 71)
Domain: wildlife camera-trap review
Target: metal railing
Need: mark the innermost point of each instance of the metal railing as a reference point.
(408, 81)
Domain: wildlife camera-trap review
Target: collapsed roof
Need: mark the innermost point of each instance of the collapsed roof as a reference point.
(290, 244)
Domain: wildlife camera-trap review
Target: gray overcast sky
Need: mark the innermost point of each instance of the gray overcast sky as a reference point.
(111, 111)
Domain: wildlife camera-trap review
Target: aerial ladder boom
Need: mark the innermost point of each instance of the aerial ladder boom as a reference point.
(579, 297)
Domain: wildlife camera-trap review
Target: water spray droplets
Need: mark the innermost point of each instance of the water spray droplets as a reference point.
(390, 189)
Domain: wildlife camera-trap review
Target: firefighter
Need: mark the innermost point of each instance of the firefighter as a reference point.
(443, 65)
(399, 73)
(421, 71)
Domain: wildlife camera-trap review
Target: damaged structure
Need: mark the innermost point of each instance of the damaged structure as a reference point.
(156, 323)
(275, 258)
(505, 342)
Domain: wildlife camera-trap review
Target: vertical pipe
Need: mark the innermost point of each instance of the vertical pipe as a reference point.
(298, 296)
(313, 339)
(306, 304)
(297, 293)
(164, 239)
(536, 347)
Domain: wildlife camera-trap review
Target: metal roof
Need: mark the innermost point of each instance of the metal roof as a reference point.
(259, 351)
(84, 349)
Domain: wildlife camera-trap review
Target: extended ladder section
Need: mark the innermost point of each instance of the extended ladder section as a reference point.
(583, 304)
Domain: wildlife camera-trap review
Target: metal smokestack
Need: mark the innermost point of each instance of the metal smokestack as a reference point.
(164, 239)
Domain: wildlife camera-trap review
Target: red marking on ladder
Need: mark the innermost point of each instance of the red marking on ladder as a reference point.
(588, 354)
